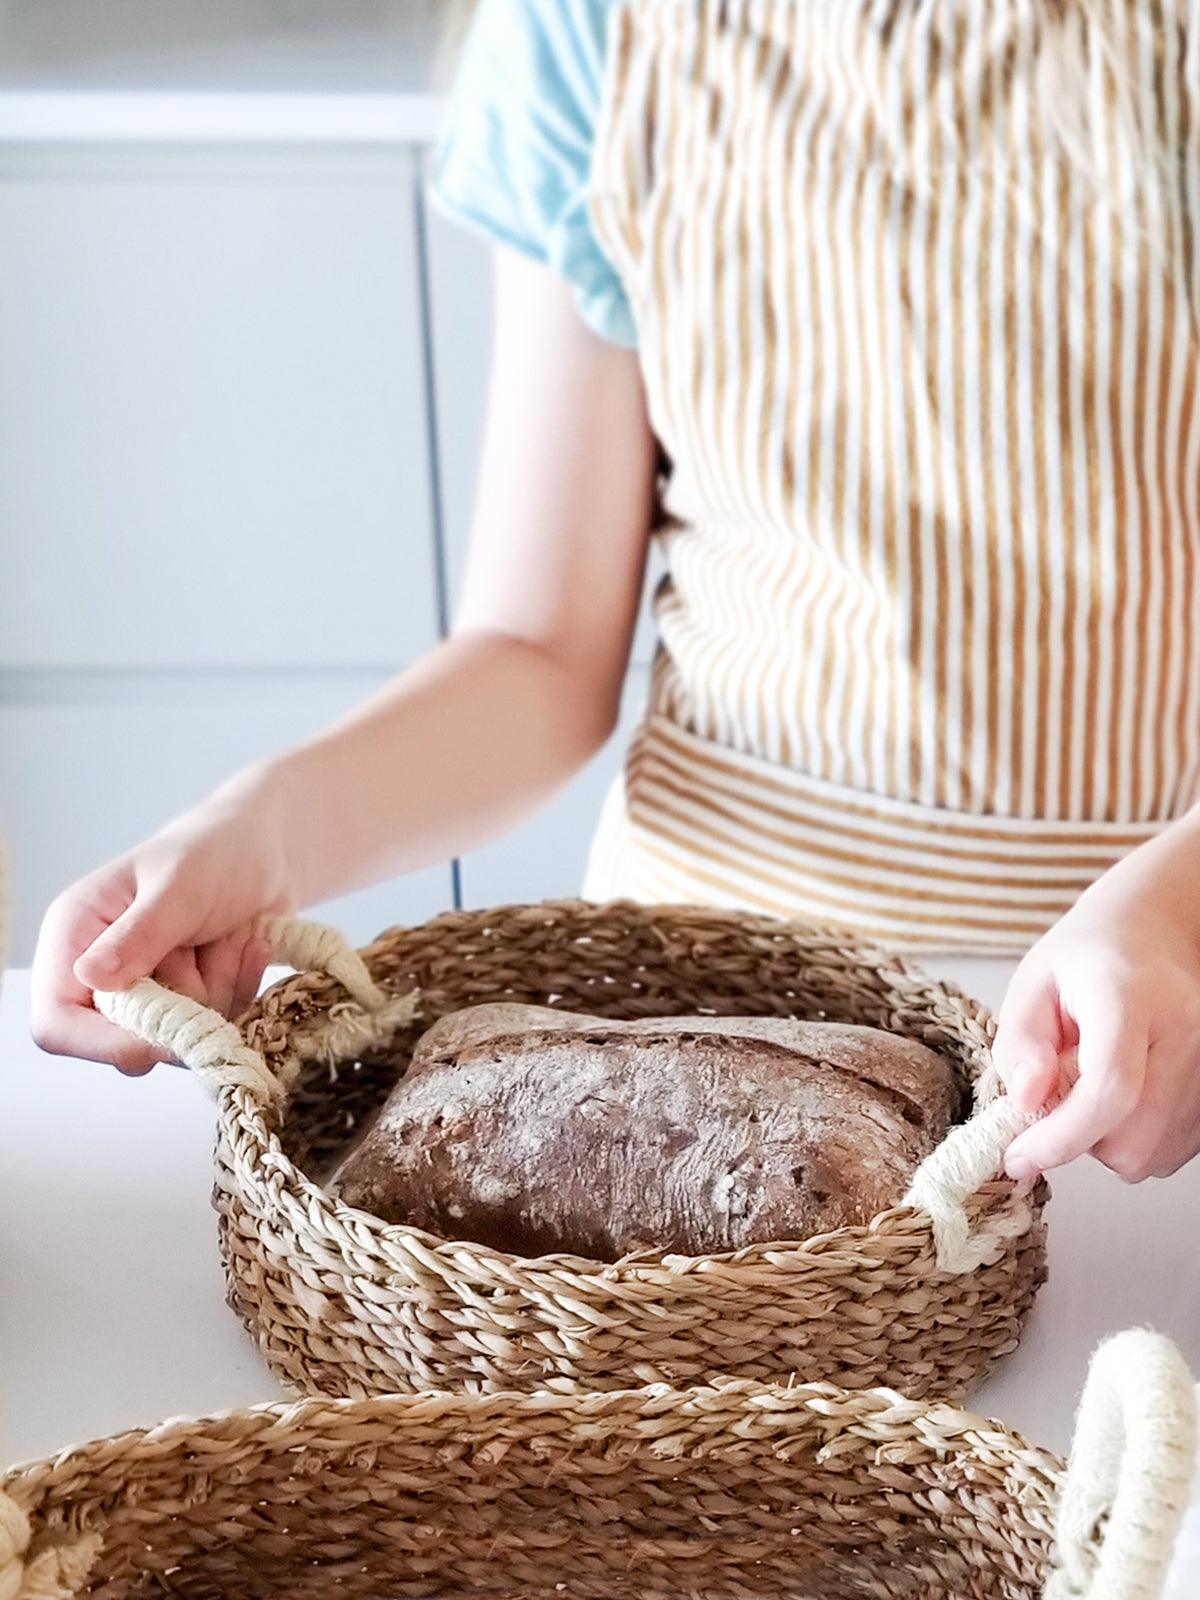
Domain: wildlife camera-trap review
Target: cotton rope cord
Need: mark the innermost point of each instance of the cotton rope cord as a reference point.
(213, 1047)
(1131, 1463)
(202, 1039)
(966, 1158)
(317, 947)
(56, 1573)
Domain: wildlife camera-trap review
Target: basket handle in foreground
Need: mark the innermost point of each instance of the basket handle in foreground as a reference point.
(213, 1048)
(57, 1572)
(967, 1157)
(1131, 1469)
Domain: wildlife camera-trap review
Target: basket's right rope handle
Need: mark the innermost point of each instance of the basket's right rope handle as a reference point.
(1130, 1472)
(210, 1045)
(967, 1157)
(55, 1573)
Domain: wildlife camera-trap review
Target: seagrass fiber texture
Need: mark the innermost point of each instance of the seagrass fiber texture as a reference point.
(744, 1491)
(807, 1491)
(923, 1298)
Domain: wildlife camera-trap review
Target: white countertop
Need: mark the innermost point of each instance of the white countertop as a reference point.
(221, 71)
(112, 1309)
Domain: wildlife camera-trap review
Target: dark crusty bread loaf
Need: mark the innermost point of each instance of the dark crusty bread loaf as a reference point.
(538, 1131)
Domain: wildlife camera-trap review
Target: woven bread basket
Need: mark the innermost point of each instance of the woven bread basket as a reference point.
(921, 1299)
(731, 1492)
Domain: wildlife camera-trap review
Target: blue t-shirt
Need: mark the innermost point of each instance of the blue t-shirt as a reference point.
(515, 151)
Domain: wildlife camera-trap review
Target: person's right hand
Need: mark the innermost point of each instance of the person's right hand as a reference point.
(181, 907)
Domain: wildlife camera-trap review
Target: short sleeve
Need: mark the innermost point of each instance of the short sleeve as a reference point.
(514, 156)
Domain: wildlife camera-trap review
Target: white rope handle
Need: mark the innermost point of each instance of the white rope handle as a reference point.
(202, 1039)
(317, 947)
(1130, 1472)
(967, 1157)
(213, 1048)
(55, 1573)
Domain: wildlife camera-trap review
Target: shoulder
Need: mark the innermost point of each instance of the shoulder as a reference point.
(570, 24)
(515, 153)
(521, 117)
(546, 49)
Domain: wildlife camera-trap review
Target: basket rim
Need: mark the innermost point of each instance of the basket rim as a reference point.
(1135, 1438)
(867, 1414)
(853, 1247)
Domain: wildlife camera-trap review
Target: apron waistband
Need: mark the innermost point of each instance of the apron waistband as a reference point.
(694, 821)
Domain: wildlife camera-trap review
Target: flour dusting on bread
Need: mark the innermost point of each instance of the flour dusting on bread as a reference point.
(538, 1131)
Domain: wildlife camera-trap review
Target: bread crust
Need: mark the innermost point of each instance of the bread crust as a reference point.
(539, 1132)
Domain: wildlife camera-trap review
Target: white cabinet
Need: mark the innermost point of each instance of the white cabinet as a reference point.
(212, 411)
(242, 381)
(460, 325)
(216, 495)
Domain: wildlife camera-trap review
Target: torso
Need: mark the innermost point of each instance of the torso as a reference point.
(930, 642)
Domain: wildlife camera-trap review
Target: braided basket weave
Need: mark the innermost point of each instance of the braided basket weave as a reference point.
(730, 1492)
(921, 1299)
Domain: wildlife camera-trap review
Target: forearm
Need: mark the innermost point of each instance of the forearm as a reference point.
(1166, 868)
(458, 748)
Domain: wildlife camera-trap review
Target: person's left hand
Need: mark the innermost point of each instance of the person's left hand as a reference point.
(1101, 1023)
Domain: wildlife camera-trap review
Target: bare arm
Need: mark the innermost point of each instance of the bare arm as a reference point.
(458, 747)
(527, 688)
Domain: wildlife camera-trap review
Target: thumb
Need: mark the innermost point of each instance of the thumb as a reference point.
(1026, 1047)
(134, 944)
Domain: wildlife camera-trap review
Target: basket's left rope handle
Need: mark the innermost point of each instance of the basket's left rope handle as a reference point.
(1130, 1472)
(967, 1157)
(210, 1045)
(56, 1573)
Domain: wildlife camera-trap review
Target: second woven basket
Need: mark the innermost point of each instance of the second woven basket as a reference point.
(922, 1298)
(649, 1494)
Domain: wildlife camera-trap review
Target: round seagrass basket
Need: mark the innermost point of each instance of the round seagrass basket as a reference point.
(735, 1491)
(922, 1298)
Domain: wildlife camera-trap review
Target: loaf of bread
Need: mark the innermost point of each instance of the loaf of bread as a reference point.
(538, 1131)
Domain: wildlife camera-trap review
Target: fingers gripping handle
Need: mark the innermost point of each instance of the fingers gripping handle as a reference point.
(1130, 1472)
(205, 1041)
(966, 1158)
(201, 1038)
(56, 1573)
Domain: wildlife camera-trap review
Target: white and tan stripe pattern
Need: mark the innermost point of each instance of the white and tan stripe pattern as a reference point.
(930, 651)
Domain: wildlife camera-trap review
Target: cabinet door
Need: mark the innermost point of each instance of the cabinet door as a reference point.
(216, 502)
(213, 447)
(91, 764)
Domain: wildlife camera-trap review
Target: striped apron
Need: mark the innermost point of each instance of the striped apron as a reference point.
(929, 653)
